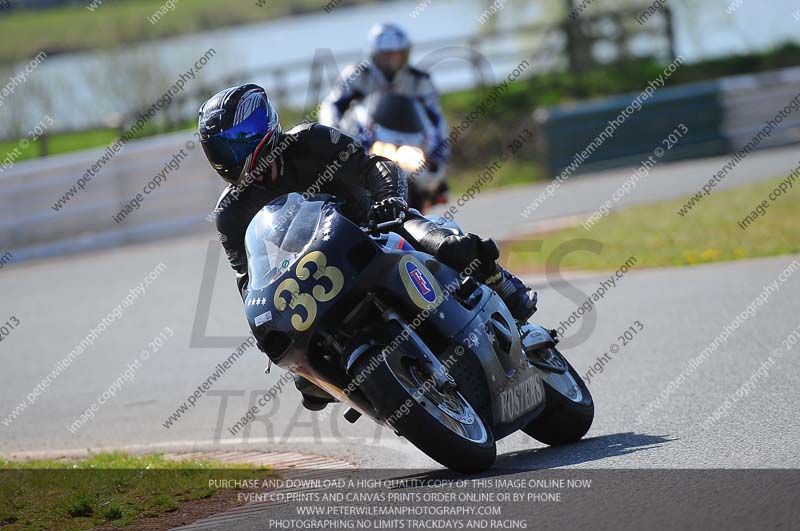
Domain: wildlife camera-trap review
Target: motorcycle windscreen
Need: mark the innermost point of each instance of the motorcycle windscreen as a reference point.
(397, 112)
(278, 235)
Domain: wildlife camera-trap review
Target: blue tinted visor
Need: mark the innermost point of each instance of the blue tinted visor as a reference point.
(230, 148)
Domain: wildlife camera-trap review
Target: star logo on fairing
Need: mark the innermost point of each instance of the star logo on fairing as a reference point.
(326, 231)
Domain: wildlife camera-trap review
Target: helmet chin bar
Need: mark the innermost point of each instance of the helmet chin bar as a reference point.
(245, 178)
(242, 177)
(387, 66)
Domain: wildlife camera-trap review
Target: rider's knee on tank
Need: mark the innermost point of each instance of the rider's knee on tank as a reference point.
(451, 247)
(461, 250)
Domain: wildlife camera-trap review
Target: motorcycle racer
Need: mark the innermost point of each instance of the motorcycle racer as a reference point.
(242, 138)
(388, 70)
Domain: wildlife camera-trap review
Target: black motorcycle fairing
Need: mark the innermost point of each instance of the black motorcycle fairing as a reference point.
(310, 266)
(296, 275)
(322, 286)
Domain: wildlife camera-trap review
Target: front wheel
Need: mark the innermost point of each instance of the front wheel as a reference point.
(438, 421)
(569, 409)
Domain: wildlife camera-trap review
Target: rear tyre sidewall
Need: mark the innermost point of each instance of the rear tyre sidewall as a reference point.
(563, 421)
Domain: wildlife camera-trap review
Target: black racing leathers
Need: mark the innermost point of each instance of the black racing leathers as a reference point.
(318, 159)
(311, 159)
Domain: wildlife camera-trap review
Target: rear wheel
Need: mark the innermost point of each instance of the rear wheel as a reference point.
(569, 409)
(436, 419)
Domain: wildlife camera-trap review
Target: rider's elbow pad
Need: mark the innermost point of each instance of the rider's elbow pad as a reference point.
(385, 180)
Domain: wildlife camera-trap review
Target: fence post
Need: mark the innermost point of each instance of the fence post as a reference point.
(43, 145)
(670, 31)
(280, 87)
(475, 59)
(622, 38)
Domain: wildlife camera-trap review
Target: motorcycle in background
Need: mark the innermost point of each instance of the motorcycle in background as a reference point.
(394, 126)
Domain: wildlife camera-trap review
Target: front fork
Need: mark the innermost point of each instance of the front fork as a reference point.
(438, 372)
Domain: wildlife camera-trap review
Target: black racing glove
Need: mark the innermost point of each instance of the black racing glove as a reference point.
(388, 209)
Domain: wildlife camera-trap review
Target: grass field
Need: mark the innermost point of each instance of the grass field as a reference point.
(59, 143)
(657, 236)
(109, 488)
(512, 173)
(117, 22)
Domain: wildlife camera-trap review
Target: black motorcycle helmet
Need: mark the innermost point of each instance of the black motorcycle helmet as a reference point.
(238, 126)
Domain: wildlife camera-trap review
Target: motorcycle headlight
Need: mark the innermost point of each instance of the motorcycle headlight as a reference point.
(377, 148)
(384, 149)
(389, 151)
(410, 158)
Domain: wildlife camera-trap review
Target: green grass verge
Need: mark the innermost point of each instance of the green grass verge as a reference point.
(513, 109)
(108, 488)
(59, 143)
(117, 22)
(512, 173)
(657, 236)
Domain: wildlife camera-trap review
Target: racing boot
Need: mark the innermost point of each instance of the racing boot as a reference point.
(514, 293)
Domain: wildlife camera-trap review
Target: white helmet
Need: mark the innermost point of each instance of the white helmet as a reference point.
(387, 38)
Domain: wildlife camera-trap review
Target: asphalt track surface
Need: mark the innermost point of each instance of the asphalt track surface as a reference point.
(682, 310)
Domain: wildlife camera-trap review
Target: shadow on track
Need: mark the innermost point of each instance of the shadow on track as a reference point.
(586, 450)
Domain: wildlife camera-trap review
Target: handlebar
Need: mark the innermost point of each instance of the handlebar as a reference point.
(382, 227)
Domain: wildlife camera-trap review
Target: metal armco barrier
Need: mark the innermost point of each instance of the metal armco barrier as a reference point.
(721, 116)
(31, 228)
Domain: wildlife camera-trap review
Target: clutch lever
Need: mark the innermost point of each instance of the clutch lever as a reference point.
(383, 227)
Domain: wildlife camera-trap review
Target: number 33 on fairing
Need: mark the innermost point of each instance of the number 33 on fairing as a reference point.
(318, 293)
